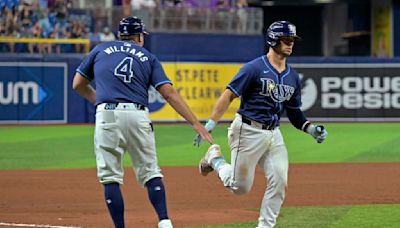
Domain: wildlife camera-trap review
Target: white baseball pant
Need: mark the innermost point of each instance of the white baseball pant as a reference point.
(125, 128)
(251, 145)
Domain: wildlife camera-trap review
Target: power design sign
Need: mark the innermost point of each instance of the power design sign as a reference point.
(351, 92)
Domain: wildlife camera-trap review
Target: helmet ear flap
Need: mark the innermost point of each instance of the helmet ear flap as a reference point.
(273, 44)
(271, 41)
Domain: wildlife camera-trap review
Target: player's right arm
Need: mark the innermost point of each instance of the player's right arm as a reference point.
(82, 85)
(84, 75)
(223, 103)
(234, 89)
(176, 101)
(219, 109)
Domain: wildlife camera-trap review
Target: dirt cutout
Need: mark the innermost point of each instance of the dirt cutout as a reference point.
(75, 198)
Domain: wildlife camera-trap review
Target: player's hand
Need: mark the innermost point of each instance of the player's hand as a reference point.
(210, 125)
(318, 132)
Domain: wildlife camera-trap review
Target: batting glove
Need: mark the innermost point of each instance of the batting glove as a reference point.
(318, 132)
(210, 125)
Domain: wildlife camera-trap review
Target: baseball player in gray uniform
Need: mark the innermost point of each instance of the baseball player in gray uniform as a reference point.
(266, 86)
(123, 71)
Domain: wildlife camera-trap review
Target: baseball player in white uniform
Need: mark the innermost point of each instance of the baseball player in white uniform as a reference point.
(123, 71)
(267, 86)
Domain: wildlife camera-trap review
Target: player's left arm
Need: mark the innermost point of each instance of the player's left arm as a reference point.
(299, 120)
(82, 86)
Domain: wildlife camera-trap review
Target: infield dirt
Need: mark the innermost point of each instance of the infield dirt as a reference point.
(75, 198)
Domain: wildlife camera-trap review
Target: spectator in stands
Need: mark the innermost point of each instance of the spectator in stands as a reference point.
(36, 32)
(10, 24)
(45, 24)
(170, 3)
(78, 32)
(242, 15)
(140, 4)
(126, 7)
(223, 4)
(61, 11)
(107, 35)
(26, 15)
(64, 31)
(46, 29)
(57, 34)
(94, 37)
(144, 9)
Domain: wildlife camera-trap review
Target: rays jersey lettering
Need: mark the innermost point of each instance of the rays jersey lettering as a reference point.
(278, 93)
(264, 92)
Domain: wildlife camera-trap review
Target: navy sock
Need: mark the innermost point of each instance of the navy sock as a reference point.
(156, 192)
(115, 204)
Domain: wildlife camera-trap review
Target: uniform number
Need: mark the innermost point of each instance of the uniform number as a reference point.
(124, 69)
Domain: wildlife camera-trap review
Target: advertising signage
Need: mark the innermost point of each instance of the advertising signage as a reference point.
(33, 92)
(351, 92)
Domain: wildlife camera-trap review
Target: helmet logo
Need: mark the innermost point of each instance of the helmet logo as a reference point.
(292, 29)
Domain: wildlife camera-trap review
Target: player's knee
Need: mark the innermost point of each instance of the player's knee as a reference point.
(277, 186)
(279, 181)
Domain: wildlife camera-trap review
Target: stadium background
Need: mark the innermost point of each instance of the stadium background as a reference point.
(348, 59)
(213, 42)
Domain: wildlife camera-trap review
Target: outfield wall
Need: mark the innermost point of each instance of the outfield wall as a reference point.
(38, 89)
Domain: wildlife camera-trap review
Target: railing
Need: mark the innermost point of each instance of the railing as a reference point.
(198, 20)
(248, 21)
(47, 41)
(179, 19)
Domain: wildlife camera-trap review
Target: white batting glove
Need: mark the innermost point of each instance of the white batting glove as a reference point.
(318, 132)
(210, 125)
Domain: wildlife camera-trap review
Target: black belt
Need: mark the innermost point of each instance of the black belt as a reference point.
(263, 126)
(112, 106)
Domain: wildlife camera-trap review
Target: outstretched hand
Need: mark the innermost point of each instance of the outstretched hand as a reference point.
(204, 134)
(318, 132)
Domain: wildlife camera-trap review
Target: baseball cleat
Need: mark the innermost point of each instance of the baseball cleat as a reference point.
(214, 151)
(165, 223)
(204, 167)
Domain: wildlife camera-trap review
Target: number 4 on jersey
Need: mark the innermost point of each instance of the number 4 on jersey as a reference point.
(124, 69)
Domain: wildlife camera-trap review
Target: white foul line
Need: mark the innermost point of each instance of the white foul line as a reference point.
(35, 225)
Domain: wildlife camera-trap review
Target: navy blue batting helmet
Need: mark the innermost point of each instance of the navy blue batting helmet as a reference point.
(280, 29)
(130, 26)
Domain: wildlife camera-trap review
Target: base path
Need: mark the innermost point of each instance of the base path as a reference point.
(74, 198)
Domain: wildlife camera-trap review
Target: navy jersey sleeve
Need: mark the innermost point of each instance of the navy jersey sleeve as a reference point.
(242, 79)
(86, 67)
(158, 76)
(295, 100)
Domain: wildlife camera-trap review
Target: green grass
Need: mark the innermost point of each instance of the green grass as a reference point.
(347, 142)
(367, 216)
(71, 146)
